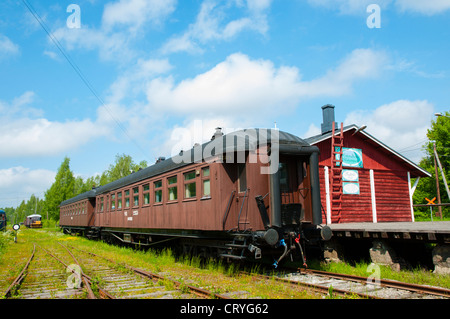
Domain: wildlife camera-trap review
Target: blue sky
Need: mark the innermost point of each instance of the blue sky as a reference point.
(165, 73)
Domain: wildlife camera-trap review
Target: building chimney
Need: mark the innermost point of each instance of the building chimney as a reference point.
(328, 118)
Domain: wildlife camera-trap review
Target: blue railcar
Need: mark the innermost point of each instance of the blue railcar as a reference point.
(2, 220)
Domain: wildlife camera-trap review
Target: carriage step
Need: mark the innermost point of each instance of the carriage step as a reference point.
(236, 245)
(241, 234)
(232, 256)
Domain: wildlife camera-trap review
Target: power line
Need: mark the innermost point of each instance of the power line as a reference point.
(421, 142)
(79, 72)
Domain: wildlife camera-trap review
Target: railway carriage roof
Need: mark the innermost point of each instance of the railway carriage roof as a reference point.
(242, 140)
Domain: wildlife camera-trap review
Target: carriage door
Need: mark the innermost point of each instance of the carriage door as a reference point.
(293, 191)
(242, 196)
(107, 214)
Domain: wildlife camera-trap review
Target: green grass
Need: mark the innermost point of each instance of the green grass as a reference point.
(214, 275)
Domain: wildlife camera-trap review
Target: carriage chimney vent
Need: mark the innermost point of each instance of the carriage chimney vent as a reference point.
(217, 134)
(328, 118)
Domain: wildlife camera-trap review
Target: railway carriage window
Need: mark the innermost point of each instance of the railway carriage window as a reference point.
(101, 204)
(127, 198)
(242, 177)
(206, 182)
(119, 200)
(284, 181)
(173, 188)
(158, 191)
(190, 190)
(136, 196)
(146, 189)
(113, 201)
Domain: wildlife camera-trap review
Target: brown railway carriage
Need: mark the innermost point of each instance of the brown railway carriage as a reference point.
(78, 211)
(214, 195)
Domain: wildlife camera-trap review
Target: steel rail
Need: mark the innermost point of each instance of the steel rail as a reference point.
(21, 276)
(437, 291)
(178, 284)
(315, 287)
(88, 281)
(151, 275)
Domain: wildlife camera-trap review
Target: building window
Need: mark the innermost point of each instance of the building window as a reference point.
(206, 182)
(127, 198)
(101, 205)
(119, 200)
(146, 191)
(173, 189)
(242, 178)
(189, 185)
(158, 191)
(136, 196)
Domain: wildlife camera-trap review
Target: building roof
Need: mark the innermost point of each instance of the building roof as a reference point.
(321, 137)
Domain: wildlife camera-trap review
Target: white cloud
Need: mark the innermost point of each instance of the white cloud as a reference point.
(241, 92)
(25, 132)
(183, 137)
(401, 125)
(313, 130)
(237, 84)
(429, 7)
(111, 46)
(135, 13)
(360, 64)
(7, 47)
(133, 80)
(41, 137)
(257, 87)
(52, 55)
(19, 183)
(211, 24)
(122, 22)
(358, 7)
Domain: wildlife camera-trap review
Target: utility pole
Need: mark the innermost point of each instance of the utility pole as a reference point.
(437, 181)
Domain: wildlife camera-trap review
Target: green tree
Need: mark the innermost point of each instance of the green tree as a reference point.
(32, 206)
(438, 134)
(63, 188)
(123, 166)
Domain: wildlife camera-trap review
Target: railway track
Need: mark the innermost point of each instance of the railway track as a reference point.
(152, 276)
(44, 274)
(41, 278)
(344, 285)
(55, 272)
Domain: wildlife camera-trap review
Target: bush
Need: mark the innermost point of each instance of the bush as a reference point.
(5, 239)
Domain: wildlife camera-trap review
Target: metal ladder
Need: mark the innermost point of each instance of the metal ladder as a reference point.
(237, 249)
(337, 144)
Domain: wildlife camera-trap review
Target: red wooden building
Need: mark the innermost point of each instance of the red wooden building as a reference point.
(362, 179)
